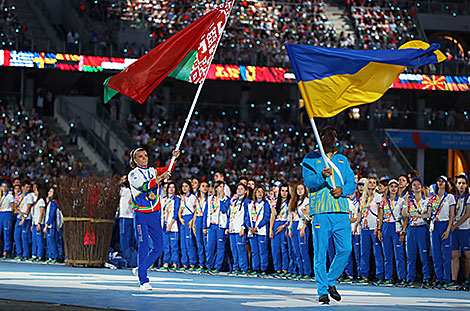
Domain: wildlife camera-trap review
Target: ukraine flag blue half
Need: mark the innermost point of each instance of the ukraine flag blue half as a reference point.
(332, 80)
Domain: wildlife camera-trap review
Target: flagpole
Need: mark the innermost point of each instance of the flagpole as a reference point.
(188, 118)
(320, 146)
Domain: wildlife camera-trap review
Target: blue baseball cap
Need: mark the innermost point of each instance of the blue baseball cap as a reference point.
(463, 175)
(442, 177)
(277, 184)
(416, 179)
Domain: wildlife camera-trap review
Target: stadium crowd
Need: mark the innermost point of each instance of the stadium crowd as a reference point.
(13, 34)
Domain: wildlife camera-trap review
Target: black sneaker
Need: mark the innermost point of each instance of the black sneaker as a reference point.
(324, 300)
(334, 293)
(426, 284)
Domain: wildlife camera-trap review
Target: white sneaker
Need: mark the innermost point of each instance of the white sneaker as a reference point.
(146, 286)
(135, 271)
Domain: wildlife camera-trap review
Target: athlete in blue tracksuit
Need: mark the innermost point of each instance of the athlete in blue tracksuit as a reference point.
(170, 208)
(354, 204)
(214, 226)
(23, 223)
(329, 208)
(259, 213)
(442, 216)
(298, 220)
(278, 231)
(186, 214)
(6, 207)
(147, 211)
(367, 220)
(417, 236)
(198, 220)
(50, 227)
(237, 223)
(389, 230)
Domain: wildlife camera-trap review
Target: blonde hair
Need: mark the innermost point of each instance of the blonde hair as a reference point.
(368, 195)
(132, 155)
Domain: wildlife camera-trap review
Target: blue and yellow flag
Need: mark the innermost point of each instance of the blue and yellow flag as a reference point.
(332, 80)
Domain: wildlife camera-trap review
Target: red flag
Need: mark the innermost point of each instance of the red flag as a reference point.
(186, 56)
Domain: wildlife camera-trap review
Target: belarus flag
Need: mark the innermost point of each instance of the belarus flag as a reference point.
(185, 56)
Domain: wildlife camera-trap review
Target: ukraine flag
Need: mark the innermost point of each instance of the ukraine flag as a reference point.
(332, 80)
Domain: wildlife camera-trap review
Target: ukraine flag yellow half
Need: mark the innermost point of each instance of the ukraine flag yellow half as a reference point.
(332, 80)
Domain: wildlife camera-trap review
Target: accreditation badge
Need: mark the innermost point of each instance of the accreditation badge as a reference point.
(152, 196)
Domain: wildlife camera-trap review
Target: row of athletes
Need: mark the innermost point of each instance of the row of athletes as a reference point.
(196, 224)
(30, 222)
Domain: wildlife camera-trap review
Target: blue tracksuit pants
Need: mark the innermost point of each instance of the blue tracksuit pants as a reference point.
(216, 238)
(334, 225)
(23, 238)
(201, 257)
(127, 240)
(5, 230)
(238, 248)
(368, 241)
(51, 239)
(393, 247)
(441, 252)
(304, 251)
(38, 242)
(356, 247)
(259, 252)
(295, 243)
(417, 240)
(147, 225)
(279, 248)
(189, 256)
(171, 250)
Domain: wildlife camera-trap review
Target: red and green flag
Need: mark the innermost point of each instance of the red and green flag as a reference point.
(185, 56)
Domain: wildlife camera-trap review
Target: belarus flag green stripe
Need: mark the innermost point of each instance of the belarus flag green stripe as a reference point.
(183, 70)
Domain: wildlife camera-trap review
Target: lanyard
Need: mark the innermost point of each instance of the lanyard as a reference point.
(166, 209)
(184, 202)
(392, 208)
(256, 211)
(460, 209)
(413, 201)
(199, 206)
(438, 210)
(283, 210)
(233, 204)
(146, 177)
(4, 198)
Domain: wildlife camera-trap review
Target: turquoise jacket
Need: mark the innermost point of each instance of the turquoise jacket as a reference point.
(320, 199)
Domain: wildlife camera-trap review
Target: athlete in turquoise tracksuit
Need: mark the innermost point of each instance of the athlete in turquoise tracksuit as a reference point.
(329, 208)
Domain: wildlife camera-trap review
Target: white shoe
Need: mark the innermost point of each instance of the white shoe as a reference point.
(146, 286)
(135, 271)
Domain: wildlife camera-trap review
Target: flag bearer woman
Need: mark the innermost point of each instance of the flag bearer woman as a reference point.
(442, 216)
(367, 220)
(6, 207)
(416, 210)
(170, 208)
(278, 231)
(389, 230)
(147, 215)
(298, 229)
(259, 213)
(237, 223)
(214, 225)
(197, 222)
(186, 214)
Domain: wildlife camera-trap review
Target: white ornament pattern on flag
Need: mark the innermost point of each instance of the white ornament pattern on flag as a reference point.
(208, 44)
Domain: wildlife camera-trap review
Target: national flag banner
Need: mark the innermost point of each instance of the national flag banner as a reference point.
(332, 80)
(186, 56)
